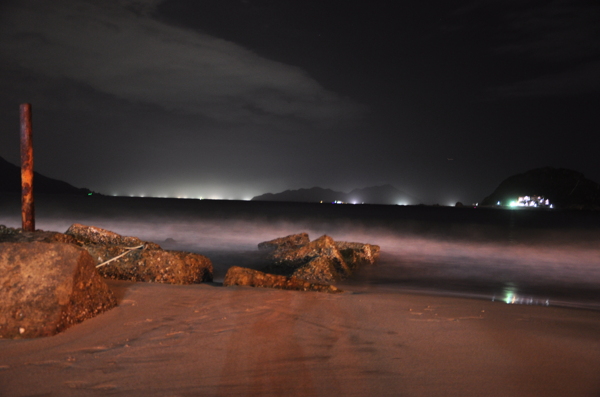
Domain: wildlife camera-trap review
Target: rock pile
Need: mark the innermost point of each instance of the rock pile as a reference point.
(317, 261)
(147, 263)
(321, 261)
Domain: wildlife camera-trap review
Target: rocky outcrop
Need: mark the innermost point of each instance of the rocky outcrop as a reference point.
(47, 287)
(248, 277)
(322, 260)
(147, 263)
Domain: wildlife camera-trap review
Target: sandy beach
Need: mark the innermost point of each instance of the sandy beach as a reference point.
(376, 339)
(209, 340)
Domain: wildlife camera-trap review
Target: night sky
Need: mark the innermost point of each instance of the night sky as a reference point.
(235, 98)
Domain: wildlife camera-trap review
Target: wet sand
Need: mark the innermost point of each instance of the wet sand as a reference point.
(208, 340)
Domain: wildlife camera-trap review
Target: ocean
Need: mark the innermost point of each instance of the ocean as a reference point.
(517, 256)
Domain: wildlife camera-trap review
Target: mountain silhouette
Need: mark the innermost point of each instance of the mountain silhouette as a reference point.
(564, 188)
(384, 194)
(10, 182)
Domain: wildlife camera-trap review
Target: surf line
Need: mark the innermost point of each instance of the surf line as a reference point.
(129, 249)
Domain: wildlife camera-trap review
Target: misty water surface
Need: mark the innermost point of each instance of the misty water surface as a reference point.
(520, 256)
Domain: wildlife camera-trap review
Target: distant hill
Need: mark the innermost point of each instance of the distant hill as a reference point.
(10, 182)
(564, 188)
(385, 194)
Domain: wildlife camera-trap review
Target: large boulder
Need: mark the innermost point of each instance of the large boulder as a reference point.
(282, 243)
(317, 261)
(248, 277)
(148, 265)
(47, 287)
(148, 262)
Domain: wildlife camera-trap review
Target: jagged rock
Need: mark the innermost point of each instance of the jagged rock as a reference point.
(291, 241)
(317, 261)
(86, 235)
(47, 287)
(248, 277)
(358, 254)
(320, 269)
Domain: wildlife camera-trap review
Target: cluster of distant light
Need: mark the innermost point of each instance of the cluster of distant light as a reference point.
(223, 197)
(530, 202)
(353, 202)
(189, 197)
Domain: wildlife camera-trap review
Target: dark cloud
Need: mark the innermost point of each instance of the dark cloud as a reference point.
(121, 90)
(134, 57)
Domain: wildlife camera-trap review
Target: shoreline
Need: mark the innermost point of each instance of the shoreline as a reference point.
(219, 341)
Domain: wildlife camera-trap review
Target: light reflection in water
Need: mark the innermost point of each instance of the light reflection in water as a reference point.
(511, 296)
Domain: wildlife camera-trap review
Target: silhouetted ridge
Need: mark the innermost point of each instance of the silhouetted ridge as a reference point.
(385, 194)
(315, 194)
(10, 182)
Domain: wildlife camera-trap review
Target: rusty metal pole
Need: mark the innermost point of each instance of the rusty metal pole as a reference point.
(27, 207)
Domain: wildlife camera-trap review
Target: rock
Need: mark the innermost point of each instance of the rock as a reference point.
(86, 235)
(287, 242)
(248, 277)
(148, 265)
(358, 254)
(320, 269)
(48, 287)
(317, 261)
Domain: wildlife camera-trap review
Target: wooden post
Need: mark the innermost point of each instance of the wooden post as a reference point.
(27, 207)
